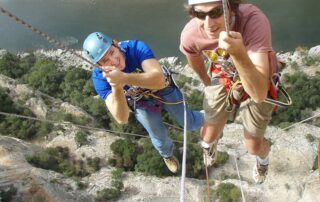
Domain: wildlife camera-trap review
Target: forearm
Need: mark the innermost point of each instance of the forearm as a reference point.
(255, 83)
(197, 64)
(117, 105)
(150, 80)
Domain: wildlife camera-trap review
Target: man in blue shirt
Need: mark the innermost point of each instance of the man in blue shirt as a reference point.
(125, 70)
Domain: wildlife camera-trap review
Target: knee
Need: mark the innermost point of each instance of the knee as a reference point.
(256, 146)
(163, 143)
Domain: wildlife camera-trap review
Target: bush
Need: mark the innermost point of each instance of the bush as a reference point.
(112, 193)
(7, 195)
(46, 77)
(18, 127)
(195, 167)
(14, 67)
(310, 138)
(222, 158)
(125, 152)
(117, 174)
(228, 192)
(81, 138)
(150, 162)
(315, 163)
(58, 159)
(94, 163)
(305, 94)
(107, 194)
(195, 100)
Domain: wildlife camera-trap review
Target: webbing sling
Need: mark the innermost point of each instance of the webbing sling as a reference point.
(217, 56)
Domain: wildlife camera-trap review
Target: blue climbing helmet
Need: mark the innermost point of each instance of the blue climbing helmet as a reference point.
(96, 45)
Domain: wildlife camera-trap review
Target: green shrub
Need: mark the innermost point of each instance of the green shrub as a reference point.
(305, 94)
(310, 138)
(195, 100)
(81, 138)
(117, 173)
(58, 159)
(125, 151)
(107, 194)
(315, 163)
(228, 192)
(46, 77)
(14, 67)
(150, 162)
(17, 127)
(194, 166)
(8, 194)
(222, 158)
(94, 163)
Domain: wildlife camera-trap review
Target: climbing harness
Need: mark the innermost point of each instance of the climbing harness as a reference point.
(135, 94)
(224, 72)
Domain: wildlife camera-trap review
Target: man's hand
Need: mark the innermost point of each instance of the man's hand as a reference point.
(232, 43)
(114, 76)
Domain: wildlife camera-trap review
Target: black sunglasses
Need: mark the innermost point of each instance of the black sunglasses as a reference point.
(214, 13)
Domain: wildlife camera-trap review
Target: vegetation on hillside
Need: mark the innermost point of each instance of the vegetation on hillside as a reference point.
(59, 159)
(305, 93)
(74, 85)
(17, 127)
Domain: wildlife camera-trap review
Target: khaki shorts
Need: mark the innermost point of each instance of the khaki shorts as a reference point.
(255, 117)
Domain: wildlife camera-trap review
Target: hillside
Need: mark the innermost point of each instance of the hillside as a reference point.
(292, 175)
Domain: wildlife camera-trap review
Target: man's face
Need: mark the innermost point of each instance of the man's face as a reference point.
(210, 17)
(113, 57)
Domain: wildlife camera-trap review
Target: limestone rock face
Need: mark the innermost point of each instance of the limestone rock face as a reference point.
(33, 183)
(290, 177)
(37, 106)
(314, 52)
(74, 110)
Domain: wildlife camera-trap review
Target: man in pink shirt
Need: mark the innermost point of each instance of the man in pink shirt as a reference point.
(250, 51)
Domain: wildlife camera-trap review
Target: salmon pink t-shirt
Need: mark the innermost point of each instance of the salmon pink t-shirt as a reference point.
(250, 21)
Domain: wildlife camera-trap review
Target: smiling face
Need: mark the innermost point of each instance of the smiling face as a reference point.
(210, 17)
(113, 57)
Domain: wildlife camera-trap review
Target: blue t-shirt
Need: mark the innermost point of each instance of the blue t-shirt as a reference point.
(135, 53)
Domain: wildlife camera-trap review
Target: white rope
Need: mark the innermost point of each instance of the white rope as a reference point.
(240, 182)
(80, 126)
(184, 156)
(307, 119)
(226, 15)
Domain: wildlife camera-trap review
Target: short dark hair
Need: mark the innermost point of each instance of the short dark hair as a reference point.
(234, 4)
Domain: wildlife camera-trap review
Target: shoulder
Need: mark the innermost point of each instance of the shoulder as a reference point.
(190, 30)
(139, 50)
(133, 44)
(96, 73)
(250, 12)
(255, 28)
(193, 39)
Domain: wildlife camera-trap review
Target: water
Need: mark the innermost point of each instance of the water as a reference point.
(158, 22)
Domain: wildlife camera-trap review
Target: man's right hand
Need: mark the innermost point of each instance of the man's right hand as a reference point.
(114, 76)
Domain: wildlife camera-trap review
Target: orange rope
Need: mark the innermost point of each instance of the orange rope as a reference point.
(319, 156)
(207, 176)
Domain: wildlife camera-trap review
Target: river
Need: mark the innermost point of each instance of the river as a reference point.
(158, 22)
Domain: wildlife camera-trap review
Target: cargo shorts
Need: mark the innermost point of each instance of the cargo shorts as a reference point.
(255, 117)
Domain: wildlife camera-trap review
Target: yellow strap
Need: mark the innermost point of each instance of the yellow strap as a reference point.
(161, 100)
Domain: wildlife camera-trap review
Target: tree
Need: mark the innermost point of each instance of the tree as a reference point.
(46, 77)
(126, 152)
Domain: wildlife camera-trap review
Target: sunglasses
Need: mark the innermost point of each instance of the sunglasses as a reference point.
(213, 14)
